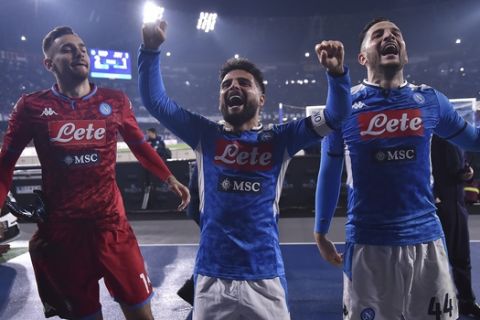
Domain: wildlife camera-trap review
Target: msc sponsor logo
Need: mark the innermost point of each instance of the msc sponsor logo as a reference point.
(81, 159)
(390, 124)
(238, 184)
(244, 156)
(78, 132)
(395, 154)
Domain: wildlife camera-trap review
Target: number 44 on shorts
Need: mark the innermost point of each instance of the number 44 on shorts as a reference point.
(435, 307)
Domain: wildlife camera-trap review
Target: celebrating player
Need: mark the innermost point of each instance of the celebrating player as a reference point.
(241, 165)
(395, 264)
(85, 235)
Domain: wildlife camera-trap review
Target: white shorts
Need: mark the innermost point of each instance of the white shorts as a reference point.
(239, 299)
(398, 282)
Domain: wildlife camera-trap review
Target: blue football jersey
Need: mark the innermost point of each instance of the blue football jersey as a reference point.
(386, 146)
(240, 177)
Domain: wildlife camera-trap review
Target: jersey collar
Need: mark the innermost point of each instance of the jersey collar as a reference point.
(228, 129)
(371, 84)
(64, 97)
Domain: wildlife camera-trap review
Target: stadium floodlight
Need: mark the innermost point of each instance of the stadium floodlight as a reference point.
(458, 41)
(307, 54)
(206, 21)
(152, 12)
(23, 38)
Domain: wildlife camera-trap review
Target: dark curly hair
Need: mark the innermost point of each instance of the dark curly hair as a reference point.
(243, 64)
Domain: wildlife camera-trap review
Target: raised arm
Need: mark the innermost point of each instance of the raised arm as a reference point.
(186, 125)
(339, 101)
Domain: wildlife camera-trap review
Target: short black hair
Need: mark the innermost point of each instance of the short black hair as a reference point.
(368, 26)
(153, 130)
(245, 65)
(57, 32)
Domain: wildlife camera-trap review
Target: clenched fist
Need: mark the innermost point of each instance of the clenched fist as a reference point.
(330, 54)
(154, 34)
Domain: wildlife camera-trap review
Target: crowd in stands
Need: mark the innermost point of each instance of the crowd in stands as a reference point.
(294, 85)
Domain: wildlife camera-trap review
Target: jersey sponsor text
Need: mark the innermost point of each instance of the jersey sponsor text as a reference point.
(78, 132)
(390, 124)
(243, 156)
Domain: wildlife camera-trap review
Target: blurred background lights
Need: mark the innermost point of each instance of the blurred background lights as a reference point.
(206, 21)
(152, 12)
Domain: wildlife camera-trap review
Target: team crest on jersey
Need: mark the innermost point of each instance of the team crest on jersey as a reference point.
(367, 314)
(419, 98)
(390, 124)
(244, 156)
(78, 132)
(265, 136)
(105, 109)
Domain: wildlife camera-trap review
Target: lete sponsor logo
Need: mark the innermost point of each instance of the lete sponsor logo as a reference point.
(77, 132)
(390, 124)
(243, 156)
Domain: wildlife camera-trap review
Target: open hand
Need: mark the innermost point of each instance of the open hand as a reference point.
(180, 190)
(327, 250)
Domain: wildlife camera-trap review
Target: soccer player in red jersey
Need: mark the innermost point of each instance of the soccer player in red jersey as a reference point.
(85, 235)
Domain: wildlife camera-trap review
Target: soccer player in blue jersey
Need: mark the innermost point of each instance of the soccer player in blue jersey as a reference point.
(395, 264)
(239, 271)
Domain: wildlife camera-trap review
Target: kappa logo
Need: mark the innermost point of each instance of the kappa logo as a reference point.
(358, 105)
(48, 111)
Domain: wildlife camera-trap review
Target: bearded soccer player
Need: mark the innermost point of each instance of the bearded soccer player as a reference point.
(395, 263)
(239, 271)
(85, 235)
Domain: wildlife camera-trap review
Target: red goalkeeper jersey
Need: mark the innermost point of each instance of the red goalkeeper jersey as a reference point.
(76, 141)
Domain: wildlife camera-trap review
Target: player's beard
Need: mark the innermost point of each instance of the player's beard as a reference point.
(72, 76)
(77, 75)
(237, 119)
